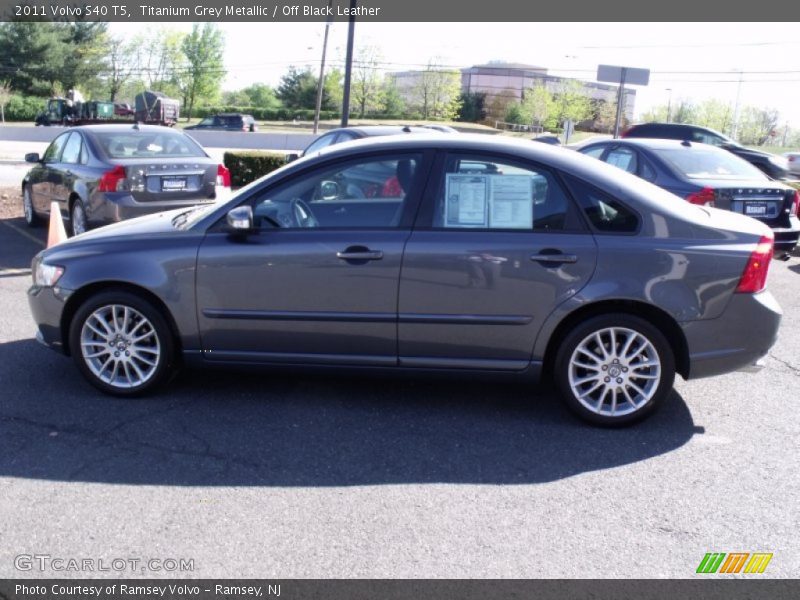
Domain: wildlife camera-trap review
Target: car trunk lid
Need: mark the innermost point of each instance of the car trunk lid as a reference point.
(170, 179)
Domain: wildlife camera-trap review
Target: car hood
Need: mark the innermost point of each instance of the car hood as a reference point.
(148, 225)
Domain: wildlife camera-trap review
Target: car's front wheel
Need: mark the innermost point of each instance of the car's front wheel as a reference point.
(121, 343)
(614, 369)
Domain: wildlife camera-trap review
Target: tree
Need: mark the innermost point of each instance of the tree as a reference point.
(333, 90)
(394, 105)
(437, 93)
(571, 102)
(5, 96)
(473, 107)
(203, 50)
(122, 64)
(606, 115)
(757, 125)
(714, 114)
(33, 55)
(86, 49)
(367, 91)
(298, 89)
(538, 106)
(160, 59)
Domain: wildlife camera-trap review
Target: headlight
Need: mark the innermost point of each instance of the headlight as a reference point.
(47, 275)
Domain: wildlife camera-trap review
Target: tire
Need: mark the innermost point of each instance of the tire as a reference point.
(77, 218)
(31, 218)
(620, 386)
(136, 328)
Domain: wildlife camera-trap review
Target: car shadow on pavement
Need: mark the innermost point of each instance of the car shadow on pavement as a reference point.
(232, 429)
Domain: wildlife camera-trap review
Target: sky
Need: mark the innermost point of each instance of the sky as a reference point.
(758, 62)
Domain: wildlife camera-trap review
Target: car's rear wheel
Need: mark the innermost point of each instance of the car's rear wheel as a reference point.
(614, 369)
(77, 217)
(121, 343)
(31, 218)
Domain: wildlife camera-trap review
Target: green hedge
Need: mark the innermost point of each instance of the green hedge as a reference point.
(248, 165)
(23, 108)
(265, 114)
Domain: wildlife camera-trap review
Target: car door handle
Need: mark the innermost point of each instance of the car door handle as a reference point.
(358, 253)
(555, 258)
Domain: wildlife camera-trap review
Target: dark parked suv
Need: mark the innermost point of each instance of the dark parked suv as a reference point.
(226, 122)
(775, 166)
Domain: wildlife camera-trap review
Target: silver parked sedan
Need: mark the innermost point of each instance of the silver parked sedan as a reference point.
(100, 174)
(457, 255)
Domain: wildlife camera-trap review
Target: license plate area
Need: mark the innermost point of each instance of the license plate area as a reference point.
(173, 184)
(756, 209)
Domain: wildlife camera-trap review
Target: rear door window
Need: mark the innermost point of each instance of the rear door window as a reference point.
(604, 213)
(623, 158)
(485, 192)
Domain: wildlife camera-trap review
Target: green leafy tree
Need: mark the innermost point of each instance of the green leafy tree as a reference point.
(5, 96)
(160, 59)
(757, 125)
(203, 50)
(437, 93)
(393, 103)
(571, 102)
(473, 107)
(298, 89)
(333, 90)
(33, 56)
(122, 65)
(86, 50)
(714, 114)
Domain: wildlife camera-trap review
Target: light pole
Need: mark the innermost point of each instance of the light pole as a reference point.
(321, 82)
(669, 106)
(348, 67)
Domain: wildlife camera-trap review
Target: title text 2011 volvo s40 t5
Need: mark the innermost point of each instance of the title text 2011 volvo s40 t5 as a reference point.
(457, 254)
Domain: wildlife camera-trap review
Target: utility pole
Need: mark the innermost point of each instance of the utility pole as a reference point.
(321, 82)
(348, 68)
(620, 93)
(735, 127)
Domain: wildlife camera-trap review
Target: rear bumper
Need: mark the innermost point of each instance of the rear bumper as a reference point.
(735, 340)
(111, 207)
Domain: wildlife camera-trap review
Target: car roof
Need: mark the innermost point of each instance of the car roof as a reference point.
(686, 126)
(381, 130)
(121, 127)
(656, 144)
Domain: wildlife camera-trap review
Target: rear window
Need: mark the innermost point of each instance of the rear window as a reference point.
(704, 163)
(147, 144)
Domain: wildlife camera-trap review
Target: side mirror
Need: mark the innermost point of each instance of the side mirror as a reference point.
(329, 190)
(32, 157)
(240, 219)
(292, 157)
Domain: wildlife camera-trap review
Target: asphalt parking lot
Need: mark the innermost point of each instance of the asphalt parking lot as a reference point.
(291, 476)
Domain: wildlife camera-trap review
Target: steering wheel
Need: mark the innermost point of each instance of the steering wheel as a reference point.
(302, 213)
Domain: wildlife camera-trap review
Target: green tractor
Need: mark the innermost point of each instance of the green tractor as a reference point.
(63, 111)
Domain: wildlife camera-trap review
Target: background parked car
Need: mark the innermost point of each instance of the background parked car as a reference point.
(709, 176)
(775, 166)
(226, 122)
(122, 109)
(517, 259)
(346, 134)
(793, 158)
(100, 174)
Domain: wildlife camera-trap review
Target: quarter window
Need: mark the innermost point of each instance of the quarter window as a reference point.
(486, 193)
(606, 214)
(594, 152)
(624, 158)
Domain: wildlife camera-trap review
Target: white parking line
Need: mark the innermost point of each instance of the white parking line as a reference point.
(24, 233)
(14, 272)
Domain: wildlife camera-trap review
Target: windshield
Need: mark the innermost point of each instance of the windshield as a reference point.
(705, 163)
(147, 144)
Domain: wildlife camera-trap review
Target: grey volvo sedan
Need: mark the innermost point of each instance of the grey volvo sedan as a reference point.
(445, 254)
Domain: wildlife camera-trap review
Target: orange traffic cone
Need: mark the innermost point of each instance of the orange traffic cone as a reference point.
(56, 233)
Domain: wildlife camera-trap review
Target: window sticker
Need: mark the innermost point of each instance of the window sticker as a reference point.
(466, 197)
(511, 202)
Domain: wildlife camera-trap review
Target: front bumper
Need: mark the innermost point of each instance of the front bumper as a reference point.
(47, 307)
(735, 340)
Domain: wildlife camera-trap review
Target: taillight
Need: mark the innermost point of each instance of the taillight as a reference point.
(704, 197)
(796, 203)
(754, 277)
(223, 176)
(625, 132)
(113, 180)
